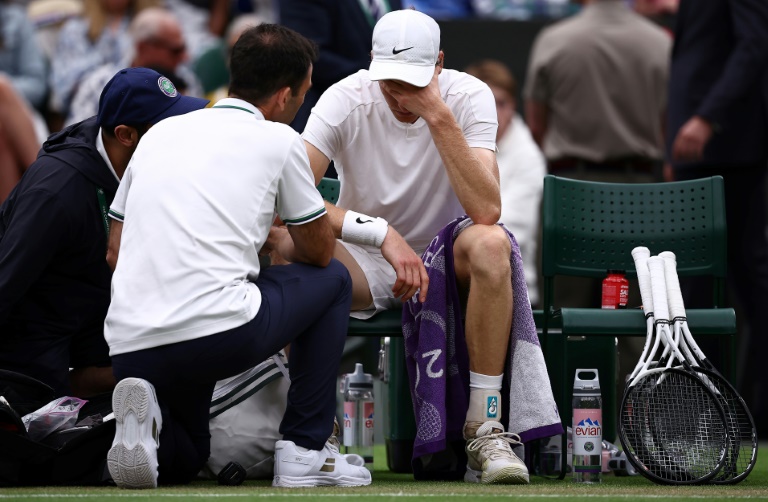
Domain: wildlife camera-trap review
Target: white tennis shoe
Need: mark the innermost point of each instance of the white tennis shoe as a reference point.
(300, 467)
(490, 458)
(132, 459)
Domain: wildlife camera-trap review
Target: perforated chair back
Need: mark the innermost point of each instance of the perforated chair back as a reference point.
(329, 189)
(590, 227)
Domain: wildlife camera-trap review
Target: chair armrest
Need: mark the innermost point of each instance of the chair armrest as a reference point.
(631, 322)
(387, 323)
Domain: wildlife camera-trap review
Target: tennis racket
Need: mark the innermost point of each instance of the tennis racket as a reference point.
(640, 256)
(678, 433)
(634, 429)
(742, 444)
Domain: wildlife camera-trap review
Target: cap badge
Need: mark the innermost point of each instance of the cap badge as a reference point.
(167, 87)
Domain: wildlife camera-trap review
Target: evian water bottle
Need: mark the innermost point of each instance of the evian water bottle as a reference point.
(358, 414)
(587, 427)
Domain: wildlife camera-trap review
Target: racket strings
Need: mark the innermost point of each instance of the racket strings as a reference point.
(742, 443)
(674, 428)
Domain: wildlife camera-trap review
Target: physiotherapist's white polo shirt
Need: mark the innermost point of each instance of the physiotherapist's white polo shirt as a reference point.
(391, 169)
(197, 201)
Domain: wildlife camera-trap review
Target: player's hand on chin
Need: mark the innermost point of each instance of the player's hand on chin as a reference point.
(411, 274)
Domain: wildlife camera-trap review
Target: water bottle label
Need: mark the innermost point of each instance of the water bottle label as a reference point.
(367, 424)
(587, 431)
(350, 423)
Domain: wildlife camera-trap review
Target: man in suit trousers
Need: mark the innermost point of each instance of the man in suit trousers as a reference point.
(718, 126)
(343, 30)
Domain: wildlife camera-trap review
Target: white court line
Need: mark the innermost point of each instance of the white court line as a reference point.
(363, 495)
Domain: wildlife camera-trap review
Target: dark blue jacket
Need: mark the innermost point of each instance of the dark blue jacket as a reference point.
(342, 30)
(54, 278)
(720, 72)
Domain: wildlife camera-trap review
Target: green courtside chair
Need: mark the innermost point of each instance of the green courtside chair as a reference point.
(400, 428)
(590, 227)
(211, 69)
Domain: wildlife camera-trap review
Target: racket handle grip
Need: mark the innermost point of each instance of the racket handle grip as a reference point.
(640, 255)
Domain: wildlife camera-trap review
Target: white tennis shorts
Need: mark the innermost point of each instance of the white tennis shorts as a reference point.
(381, 277)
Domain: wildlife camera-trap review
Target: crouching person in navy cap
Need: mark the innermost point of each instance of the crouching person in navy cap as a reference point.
(54, 278)
(190, 304)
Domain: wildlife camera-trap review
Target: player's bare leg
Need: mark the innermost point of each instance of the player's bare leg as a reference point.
(483, 271)
(361, 291)
(481, 259)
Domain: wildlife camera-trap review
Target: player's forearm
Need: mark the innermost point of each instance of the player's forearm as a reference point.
(475, 180)
(336, 217)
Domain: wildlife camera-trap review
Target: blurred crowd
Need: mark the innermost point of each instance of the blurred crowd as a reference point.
(56, 55)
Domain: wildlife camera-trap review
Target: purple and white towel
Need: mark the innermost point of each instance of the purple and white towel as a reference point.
(438, 362)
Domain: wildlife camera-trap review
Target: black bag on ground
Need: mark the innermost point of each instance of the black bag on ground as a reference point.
(75, 456)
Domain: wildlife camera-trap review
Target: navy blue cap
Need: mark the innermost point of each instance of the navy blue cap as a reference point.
(139, 96)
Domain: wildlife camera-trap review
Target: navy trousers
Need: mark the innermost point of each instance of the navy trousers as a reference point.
(745, 213)
(304, 306)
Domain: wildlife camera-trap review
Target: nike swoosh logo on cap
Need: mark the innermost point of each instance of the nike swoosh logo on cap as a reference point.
(396, 51)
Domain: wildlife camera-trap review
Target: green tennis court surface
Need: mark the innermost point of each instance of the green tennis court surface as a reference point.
(390, 486)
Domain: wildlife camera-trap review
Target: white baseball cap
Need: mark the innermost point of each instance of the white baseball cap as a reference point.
(406, 44)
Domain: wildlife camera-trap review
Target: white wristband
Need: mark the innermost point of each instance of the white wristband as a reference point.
(363, 229)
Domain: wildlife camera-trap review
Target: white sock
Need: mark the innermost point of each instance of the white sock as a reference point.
(487, 382)
(484, 397)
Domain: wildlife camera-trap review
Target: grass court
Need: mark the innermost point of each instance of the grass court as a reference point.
(388, 486)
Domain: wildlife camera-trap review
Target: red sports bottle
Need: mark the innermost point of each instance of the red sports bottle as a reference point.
(615, 290)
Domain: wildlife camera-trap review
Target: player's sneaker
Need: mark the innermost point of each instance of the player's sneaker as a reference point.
(132, 459)
(490, 458)
(300, 467)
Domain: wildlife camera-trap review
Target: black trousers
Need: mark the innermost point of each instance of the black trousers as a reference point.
(745, 207)
(305, 306)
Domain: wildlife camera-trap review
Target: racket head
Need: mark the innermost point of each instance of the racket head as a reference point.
(673, 428)
(742, 432)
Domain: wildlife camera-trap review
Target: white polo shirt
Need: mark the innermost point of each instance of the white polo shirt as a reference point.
(391, 169)
(197, 201)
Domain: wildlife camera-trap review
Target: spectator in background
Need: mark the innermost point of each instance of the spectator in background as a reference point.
(85, 43)
(21, 60)
(157, 42)
(343, 30)
(54, 277)
(718, 125)
(521, 168)
(234, 30)
(595, 100)
(18, 141)
(655, 8)
(596, 94)
(442, 9)
(23, 88)
(203, 22)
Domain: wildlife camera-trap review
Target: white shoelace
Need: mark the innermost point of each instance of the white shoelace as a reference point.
(496, 445)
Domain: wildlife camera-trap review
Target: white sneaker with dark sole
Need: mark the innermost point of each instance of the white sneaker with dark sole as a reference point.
(132, 459)
(490, 459)
(297, 467)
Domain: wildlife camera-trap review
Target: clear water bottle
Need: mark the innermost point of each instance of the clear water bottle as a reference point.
(587, 427)
(357, 388)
